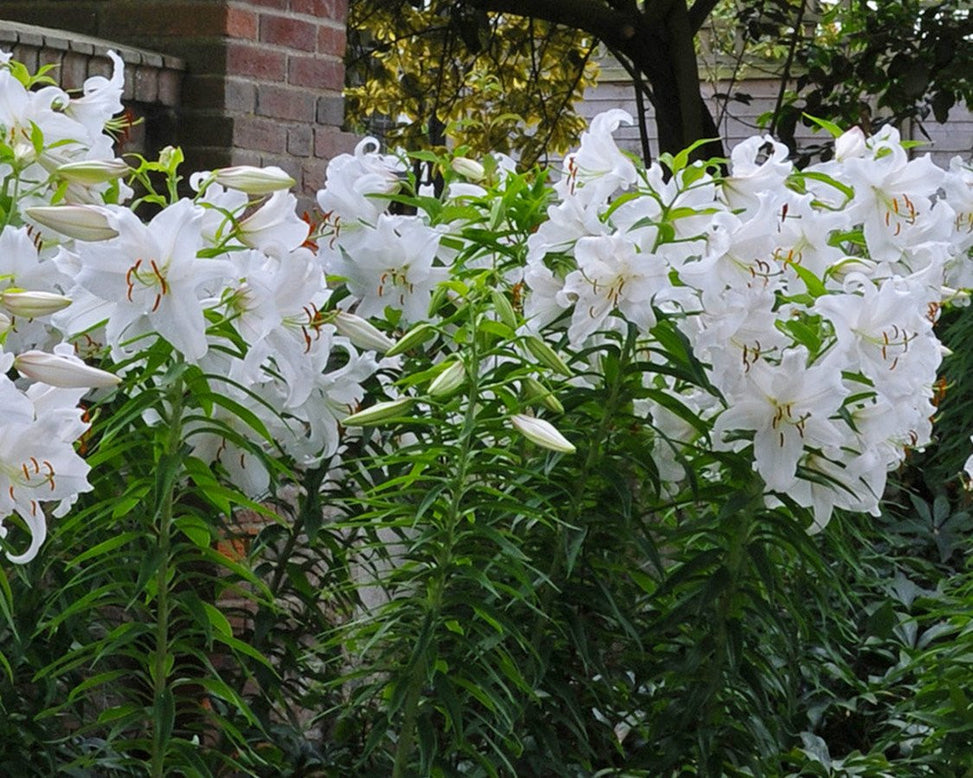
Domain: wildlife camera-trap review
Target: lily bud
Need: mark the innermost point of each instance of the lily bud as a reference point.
(850, 145)
(414, 337)
(24, 154)
(449, 380)
(505, 311)
(362, 333)
(546, 355)
(84, 222)
(378, 413)
(93, 171)
(29, 305)
(541, 432)
(61, 370)
(254, 180)
(469, 168)
(537, 392)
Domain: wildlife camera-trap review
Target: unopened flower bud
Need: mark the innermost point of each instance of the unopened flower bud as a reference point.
(505, 311)
(94, 171)
(537, 392)
(254, 180)
(546, 355)
(414, 337)
(24, 154)
(378, 413)
(61, 370)
(850, 144)
(469, 168)
(449, 380)
(84, 222)
(32, 304)
(361, 332)
(543, 433)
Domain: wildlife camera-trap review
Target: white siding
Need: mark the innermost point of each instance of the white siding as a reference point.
(739, 120)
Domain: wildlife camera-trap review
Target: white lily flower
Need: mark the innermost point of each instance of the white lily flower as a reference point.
(393, 266)
(151, 280)
(611, 276)
(274, 227)
(38, 461)
(787, 407)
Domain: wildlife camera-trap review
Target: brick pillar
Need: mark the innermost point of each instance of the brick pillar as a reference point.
(263, 77)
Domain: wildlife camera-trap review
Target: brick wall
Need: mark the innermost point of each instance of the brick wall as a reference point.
(263, 78)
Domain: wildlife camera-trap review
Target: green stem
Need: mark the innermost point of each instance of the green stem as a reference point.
(738, 528)
(416, 679)
(163, 706)
(576, 505)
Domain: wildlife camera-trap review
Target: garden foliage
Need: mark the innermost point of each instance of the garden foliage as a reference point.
(544, 472)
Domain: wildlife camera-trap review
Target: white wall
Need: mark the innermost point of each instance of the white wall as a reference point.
(740, 121)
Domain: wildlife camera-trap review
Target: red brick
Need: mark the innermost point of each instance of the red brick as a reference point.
(259, 134)
(333, 9)
(314, 173)
(293, 33)
(240, 95)
(281, 102)
(331, 40)
(285, 162)
(243, 59)
(300, 138)
(329, 142)
(281, 4)
(309, 7)
(241, 23)
(321, 9)
(330, 110)
(316, 72)
(244, 157)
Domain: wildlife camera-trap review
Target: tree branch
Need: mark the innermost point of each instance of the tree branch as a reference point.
(609, 25)
(700, 12)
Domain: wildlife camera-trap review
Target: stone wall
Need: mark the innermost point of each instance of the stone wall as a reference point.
(262, 78)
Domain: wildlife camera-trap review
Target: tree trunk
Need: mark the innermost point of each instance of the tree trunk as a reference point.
(658, 42)
(663, 49)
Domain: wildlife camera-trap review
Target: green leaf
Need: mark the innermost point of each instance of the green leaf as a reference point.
(218, 620)
(831, 127)
(196, 529)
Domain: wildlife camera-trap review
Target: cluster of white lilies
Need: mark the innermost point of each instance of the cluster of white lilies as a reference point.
(809, 296)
